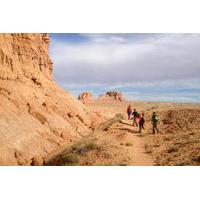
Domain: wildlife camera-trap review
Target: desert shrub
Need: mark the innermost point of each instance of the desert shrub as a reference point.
(75, 146)
(83, 147)
(70, 159)
(172, 149)
(128, 144)
(184, 162)
(90, 146)
(72, 155)
(196, 158)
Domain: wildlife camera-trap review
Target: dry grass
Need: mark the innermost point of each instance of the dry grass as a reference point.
(72, 155)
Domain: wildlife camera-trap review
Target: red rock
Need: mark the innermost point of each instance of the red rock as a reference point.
(112, 96)
(86, 97)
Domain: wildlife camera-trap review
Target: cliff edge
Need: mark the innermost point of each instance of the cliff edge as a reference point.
(36, 116)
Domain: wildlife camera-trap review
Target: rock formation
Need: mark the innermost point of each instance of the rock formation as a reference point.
(86, 97)
(36, 116)
(112, 96)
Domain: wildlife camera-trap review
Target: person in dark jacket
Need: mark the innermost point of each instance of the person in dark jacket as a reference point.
(135, 117)
(155, 121)
(141, 121)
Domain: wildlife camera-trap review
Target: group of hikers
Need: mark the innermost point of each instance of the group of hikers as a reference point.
(139, 119)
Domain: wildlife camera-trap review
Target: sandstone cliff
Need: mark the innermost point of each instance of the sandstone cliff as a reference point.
(36, 116)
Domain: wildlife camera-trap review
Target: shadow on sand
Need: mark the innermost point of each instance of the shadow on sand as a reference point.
(124, 123)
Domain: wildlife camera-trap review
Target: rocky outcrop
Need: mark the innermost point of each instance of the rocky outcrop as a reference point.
(86, 97)
(25, 56)
(112, 96)
(36, 116)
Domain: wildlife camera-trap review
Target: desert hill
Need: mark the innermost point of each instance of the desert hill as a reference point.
(36, 116)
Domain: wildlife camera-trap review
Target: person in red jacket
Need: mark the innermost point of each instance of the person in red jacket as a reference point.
(129, 111)
(141, 122)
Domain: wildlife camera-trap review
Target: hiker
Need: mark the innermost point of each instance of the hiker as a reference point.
(129, 112)
(135, 117)
(141, 122)
(155, 121)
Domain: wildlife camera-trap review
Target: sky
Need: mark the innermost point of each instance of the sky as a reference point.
(147, 67)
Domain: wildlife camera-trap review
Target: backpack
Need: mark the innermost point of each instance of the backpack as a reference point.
(156, 119)
(136, 114)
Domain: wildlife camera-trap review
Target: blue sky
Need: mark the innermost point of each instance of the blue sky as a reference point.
(149, 67)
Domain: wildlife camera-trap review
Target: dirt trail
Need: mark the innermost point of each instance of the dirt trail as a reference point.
(139, 157)
(126, 134)
(116, 143)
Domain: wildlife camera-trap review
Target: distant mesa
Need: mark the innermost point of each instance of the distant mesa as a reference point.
(112, 96)
(86, 97)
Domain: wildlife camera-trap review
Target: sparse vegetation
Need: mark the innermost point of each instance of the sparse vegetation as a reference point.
(70, 159)
(72, 155)
(179, 143)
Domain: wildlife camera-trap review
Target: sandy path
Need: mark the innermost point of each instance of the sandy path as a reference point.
(139, 157)
(136, 152)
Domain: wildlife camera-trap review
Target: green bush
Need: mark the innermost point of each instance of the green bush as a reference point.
(90, 146)
(70, 159)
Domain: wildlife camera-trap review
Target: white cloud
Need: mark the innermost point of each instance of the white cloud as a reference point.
(113, 60)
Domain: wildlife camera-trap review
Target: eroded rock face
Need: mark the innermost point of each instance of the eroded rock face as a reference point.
(86, 97)
(36, 116)
(112, 96)
(25, 56)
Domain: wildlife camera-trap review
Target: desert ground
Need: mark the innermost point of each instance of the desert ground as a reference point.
(115, 142)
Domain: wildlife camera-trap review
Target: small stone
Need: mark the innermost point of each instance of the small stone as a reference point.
(37, 161)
